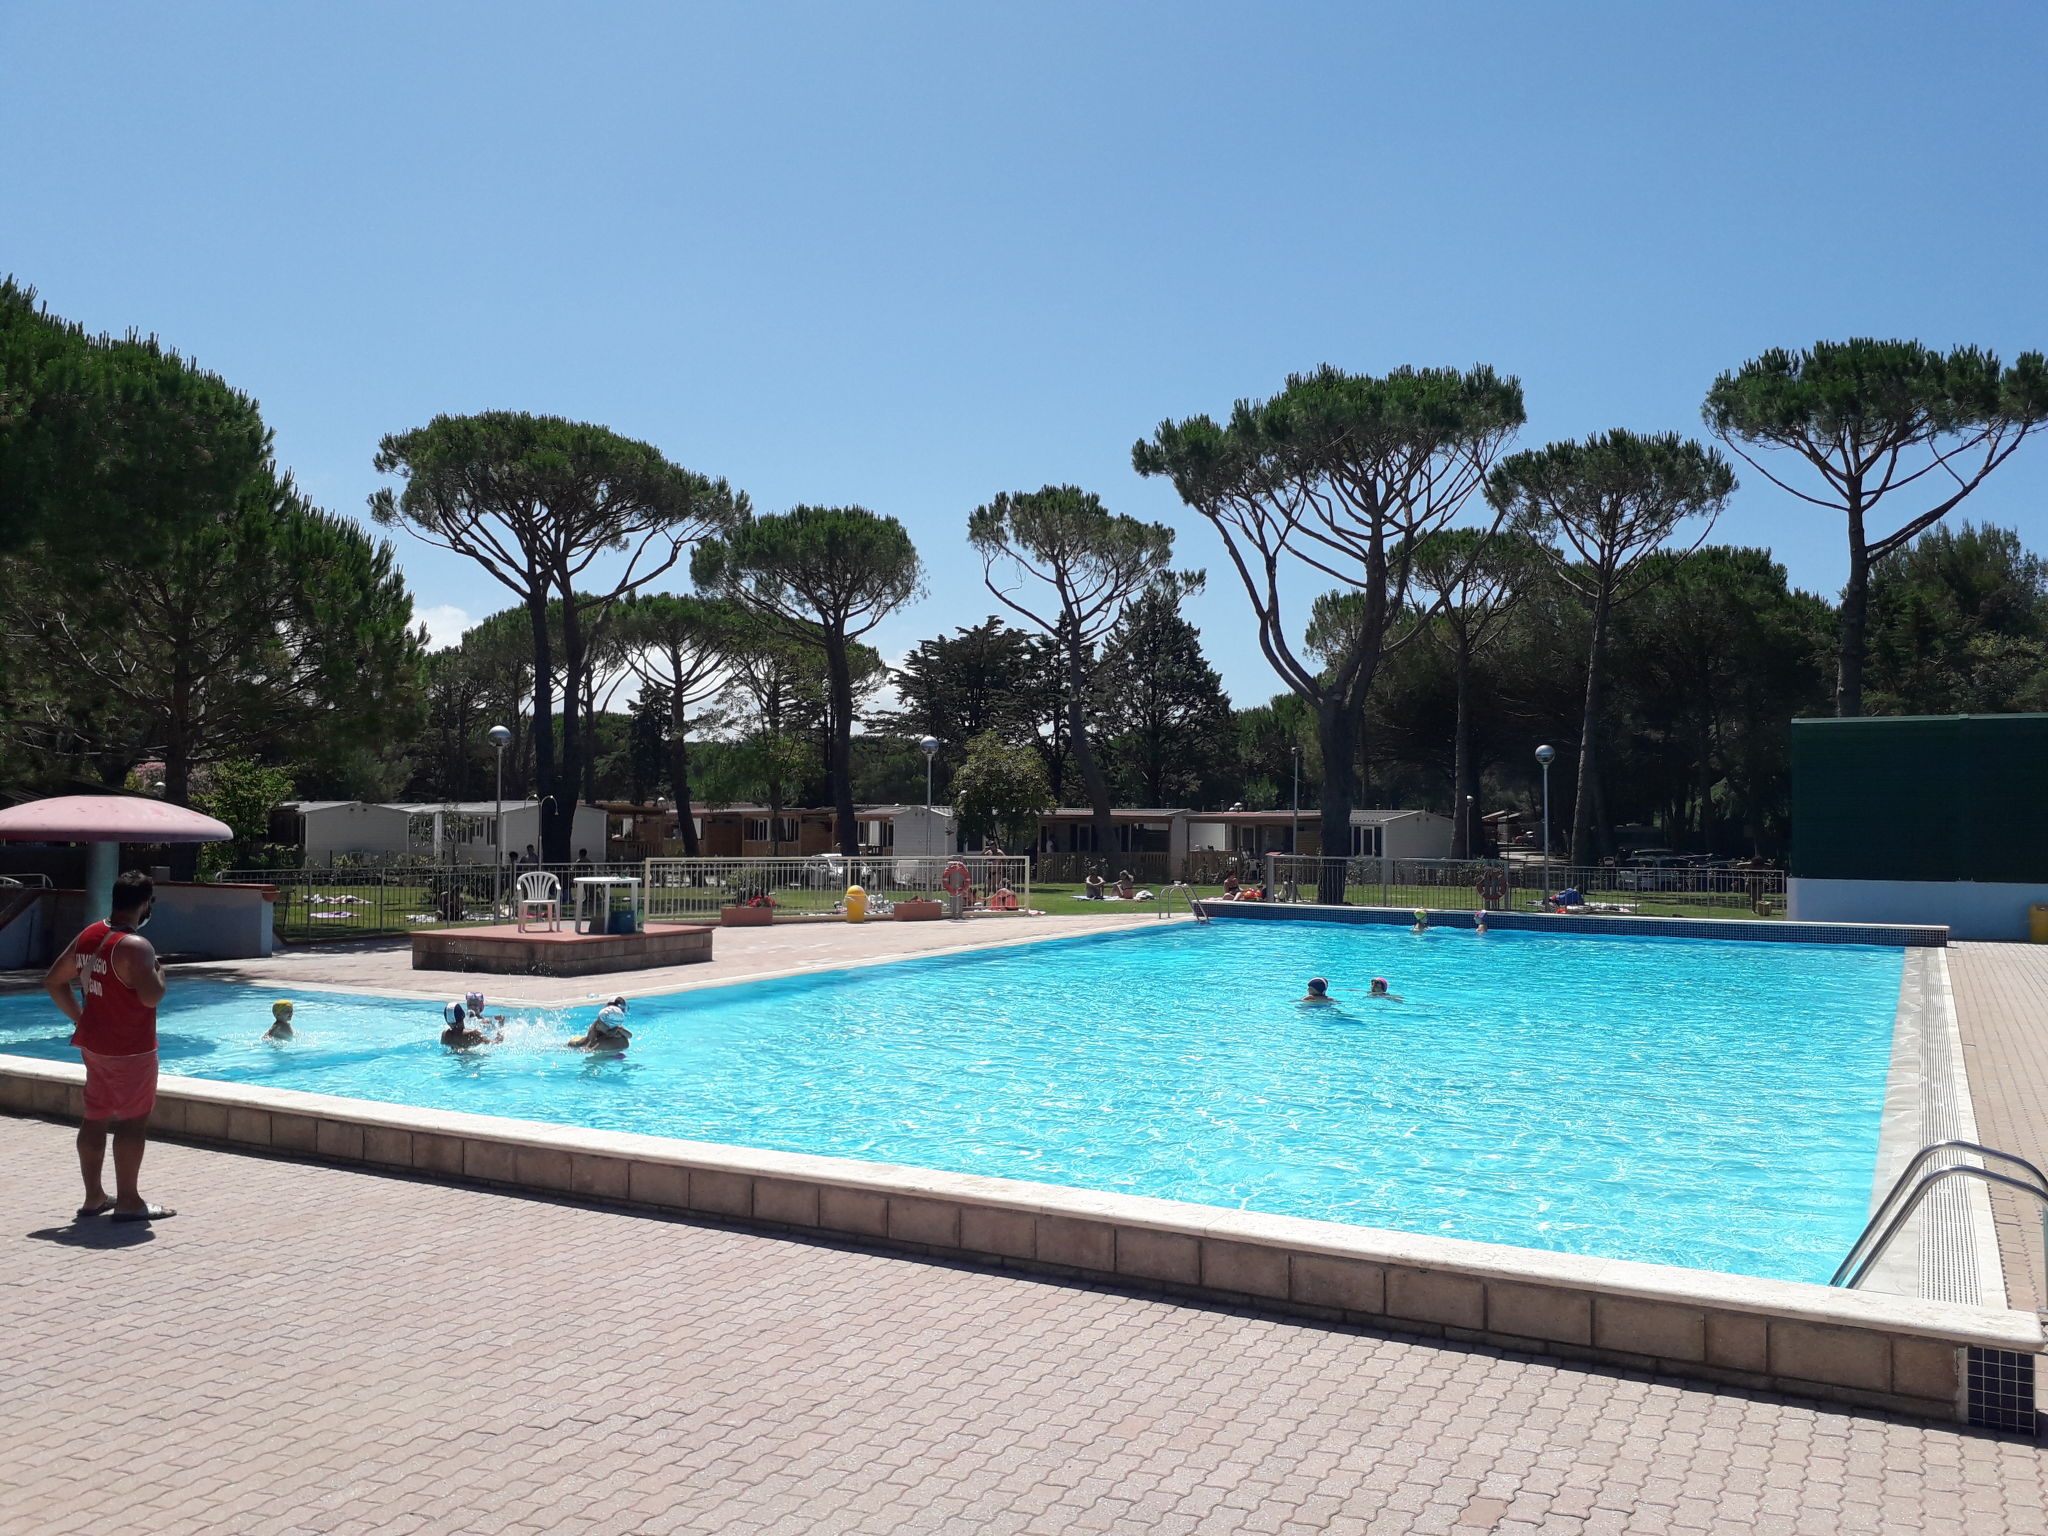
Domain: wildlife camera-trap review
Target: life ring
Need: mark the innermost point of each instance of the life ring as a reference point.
(1493, 886)
(956, 879)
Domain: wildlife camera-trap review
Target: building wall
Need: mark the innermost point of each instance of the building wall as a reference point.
(522, 826)
(335, 831)
(1969, 909)
(923, 834)
(227, 922)
(718, 837)
(1421, 836)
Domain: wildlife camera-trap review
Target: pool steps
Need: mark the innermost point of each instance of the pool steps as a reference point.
(1927, 1359)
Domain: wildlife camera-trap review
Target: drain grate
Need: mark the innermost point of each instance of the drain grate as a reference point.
(1999, 1391)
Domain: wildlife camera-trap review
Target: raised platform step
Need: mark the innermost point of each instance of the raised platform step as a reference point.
(502, 950)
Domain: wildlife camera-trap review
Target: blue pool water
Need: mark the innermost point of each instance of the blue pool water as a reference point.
(1704, 1103)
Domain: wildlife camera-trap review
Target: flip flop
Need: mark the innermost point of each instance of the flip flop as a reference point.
(147, 1213)
(85, 1211)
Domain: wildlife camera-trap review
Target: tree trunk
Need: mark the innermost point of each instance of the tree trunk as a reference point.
(1337, 731)
(558, 813)
(1586, 839)
(546, 774)
(184, 857)
(679, 774)
(1855, 616)
(590, 740)
(1092, 778)
(839, 743)
(177, 755)
(1463, 792)
(1707, 779)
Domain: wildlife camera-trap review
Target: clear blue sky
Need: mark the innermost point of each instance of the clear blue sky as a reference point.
(912, 255)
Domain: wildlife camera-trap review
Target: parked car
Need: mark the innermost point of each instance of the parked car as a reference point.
(1655, 870)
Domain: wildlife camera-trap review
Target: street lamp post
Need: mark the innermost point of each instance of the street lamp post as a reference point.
(1545, 755)
(500, 738)
(930, 747)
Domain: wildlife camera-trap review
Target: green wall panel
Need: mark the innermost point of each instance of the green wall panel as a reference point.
(1950, 797)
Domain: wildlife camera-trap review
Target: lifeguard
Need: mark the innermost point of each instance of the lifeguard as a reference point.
(108, 982)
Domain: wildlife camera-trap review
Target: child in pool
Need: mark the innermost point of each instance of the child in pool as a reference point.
(1318, 992)
(1379, 990)
(607, 1031)
(280, 1021)
(458, 1035)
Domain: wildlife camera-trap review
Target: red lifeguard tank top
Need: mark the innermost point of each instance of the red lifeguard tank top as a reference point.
(116, 1022)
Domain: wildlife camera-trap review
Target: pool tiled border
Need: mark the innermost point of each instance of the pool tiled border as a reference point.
(1901, 1354)
(1772, 931)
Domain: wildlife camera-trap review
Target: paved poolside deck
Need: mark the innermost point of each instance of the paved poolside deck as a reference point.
(305, 1349)
(385, 965)
(2001, 995)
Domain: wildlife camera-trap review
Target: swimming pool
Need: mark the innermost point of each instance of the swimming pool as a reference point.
(1697, 1102)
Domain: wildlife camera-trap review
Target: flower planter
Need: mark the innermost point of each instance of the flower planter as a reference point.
(919, 911)
(745, 917)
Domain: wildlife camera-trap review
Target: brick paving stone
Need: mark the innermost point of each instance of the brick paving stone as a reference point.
(2001, 997)
(313, 1350)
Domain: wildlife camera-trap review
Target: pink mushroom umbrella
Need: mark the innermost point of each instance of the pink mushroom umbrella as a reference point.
(104, 823)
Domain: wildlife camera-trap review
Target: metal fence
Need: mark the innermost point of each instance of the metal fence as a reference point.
(1454, 885)
(696, 890)
(368, 902)
(1073, 868)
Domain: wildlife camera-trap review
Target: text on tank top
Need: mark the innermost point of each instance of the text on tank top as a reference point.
(116, 1022)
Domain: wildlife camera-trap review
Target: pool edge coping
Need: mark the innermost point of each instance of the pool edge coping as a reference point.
(1866, 1348)
(1760, 930)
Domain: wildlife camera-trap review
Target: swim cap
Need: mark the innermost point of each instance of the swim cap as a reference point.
(1318, 984)
(474, 999)
(282, 1005)
(1379, 981)
(452, 1012)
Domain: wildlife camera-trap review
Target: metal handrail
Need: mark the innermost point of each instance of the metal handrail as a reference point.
(1877, 1217)
(1920, 1191)
(1187, 894)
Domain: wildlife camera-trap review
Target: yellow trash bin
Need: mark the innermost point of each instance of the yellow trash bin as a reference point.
(856, 904)
(2037, 922)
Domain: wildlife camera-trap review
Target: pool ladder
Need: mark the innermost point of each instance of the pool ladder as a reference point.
(1886, 1222)
(1187, 894)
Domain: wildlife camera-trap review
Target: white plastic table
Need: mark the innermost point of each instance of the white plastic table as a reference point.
(595, 891)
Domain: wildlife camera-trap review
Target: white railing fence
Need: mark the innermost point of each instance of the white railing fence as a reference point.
(696, 889)
(396, 898)
(1454, 885)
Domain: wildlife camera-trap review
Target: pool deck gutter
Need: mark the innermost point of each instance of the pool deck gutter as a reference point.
(1767, 930)
(1897, 1353)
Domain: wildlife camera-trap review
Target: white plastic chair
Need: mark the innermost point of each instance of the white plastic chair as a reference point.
(540, 892)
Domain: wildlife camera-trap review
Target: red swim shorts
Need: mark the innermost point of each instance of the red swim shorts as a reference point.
(119, 1087)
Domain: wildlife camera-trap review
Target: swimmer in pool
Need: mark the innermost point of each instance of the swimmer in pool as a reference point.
(458, 1035)
(607, 1031)
(1318, 992)
(1379, 989)
(477, 1018)
(280, 1021)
